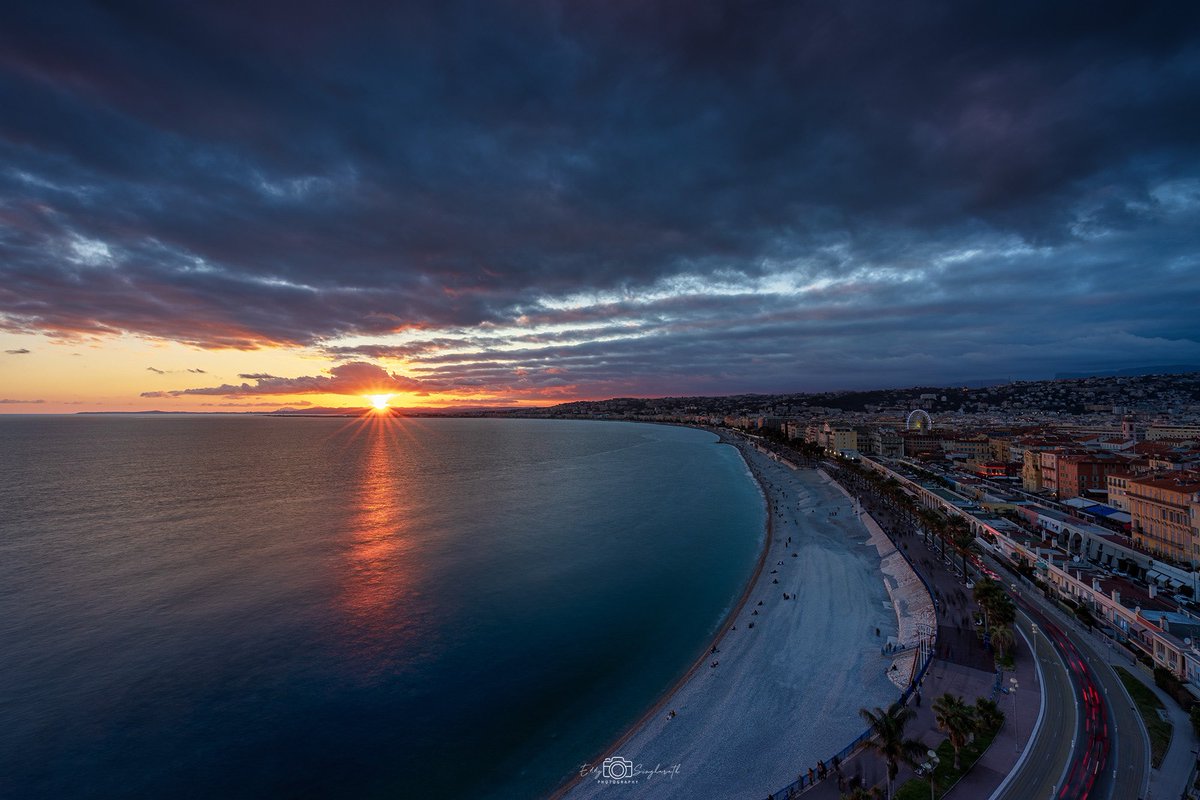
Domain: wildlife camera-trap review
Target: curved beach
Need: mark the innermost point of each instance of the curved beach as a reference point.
(783, 693)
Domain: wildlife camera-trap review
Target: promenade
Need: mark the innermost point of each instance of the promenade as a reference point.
(787, 681)
(962, 667)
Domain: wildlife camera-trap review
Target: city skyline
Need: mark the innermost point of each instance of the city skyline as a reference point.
(528, 204)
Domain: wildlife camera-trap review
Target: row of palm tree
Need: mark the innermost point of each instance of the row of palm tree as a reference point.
(953, 533)
(999, 613)
(952, 715)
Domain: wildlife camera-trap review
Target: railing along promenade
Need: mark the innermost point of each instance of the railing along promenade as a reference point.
(823, 769)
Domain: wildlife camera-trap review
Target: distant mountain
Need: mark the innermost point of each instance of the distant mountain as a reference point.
(1130, 372)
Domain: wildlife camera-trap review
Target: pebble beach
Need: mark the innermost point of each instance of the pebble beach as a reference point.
(782, 685)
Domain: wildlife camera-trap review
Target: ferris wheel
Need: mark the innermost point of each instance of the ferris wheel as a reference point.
(918, 420)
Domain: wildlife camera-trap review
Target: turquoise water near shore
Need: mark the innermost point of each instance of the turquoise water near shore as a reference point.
(249, 607)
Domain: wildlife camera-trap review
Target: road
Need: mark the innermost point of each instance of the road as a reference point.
(1117, 739)
(1043, 768)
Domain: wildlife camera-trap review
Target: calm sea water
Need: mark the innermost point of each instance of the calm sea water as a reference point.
(252, 607)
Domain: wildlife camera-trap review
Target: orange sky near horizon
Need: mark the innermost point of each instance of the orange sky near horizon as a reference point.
(41, 374)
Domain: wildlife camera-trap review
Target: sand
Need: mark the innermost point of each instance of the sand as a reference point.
(786, 692)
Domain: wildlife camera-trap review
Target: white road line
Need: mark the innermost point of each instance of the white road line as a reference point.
(1037, 726)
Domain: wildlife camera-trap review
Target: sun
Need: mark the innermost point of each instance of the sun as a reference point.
(380, 401)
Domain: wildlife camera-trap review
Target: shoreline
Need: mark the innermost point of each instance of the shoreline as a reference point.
(765, 683)
(751, 582)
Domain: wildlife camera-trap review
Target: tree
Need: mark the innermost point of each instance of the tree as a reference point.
(1002, 639)
(962, 538)
(1002, 610)
(957, 719)
(988, 715)
(932, 522)
(986, 593)
(998, 609)
(888, 741)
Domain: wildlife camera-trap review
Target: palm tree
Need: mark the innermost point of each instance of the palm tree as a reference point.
(962, 538)
(957, 719)
(1002, 639)
(1002, 610)
(887, 739)
(988, 714)
(931, 521)
(986, 593)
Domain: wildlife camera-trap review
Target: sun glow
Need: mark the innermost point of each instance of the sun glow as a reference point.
(379, 401)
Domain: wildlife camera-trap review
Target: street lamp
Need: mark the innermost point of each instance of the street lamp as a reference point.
(1012, 691)
(1034, 628)
(933, 765)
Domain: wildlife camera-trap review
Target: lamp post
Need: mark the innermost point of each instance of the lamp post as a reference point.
(1033, 626)
(933, 765)
(1012, 691)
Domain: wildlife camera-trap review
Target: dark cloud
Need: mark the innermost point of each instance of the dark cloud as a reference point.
(8, 401)
(198, 371)
(156, 371)
(459, 170)
(18, 352)
(355, 378)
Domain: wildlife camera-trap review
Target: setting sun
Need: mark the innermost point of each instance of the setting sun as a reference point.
(379, 401)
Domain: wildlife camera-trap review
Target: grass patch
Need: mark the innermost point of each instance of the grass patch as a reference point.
(1148, 705)
(945, 776)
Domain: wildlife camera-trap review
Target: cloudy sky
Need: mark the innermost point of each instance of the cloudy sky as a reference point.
(208, 205)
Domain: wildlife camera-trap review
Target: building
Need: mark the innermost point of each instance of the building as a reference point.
(974, 448)
(1182, 432)
(922, 442)
(887, 443)
(1049, 465)
(1118, 489)
(1082, 474)
(1031, 471)
(1166, 512)
(837, 437)
(1001, 448)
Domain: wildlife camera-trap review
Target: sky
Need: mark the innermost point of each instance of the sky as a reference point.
(241, 206)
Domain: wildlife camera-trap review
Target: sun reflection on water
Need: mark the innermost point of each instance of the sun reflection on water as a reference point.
(380, 575)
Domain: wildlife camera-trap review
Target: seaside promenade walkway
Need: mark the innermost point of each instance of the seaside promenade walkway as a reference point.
(962, 667)
(785, 685)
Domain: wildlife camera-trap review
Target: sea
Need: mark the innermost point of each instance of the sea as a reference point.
(252, 606)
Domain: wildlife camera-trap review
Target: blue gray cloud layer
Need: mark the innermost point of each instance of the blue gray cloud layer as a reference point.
(591, 198)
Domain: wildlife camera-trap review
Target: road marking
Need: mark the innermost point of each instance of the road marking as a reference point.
(1037, 726)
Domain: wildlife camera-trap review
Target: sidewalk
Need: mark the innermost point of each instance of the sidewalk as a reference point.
(1171, 779)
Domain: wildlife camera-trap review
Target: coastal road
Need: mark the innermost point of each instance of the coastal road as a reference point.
(1090, 748)
(1118, 740)
(1039, 774)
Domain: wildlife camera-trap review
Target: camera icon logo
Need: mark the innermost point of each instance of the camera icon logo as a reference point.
(616, 768)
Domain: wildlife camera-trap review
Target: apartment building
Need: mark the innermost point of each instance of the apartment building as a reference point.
(1166, 512)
